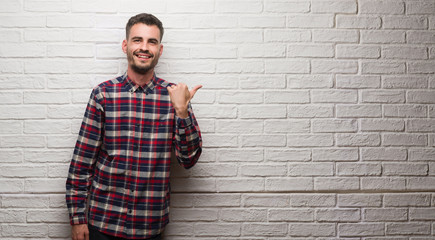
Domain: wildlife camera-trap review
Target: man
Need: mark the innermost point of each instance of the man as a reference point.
(119, 173)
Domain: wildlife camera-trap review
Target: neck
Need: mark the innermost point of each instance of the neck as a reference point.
(140, 79)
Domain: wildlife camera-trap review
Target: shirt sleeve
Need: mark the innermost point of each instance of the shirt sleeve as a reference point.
(187, 140)
(83, 160)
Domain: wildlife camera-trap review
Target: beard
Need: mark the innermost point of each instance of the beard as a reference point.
(139, 67)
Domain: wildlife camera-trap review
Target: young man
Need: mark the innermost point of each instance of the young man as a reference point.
(118, 181)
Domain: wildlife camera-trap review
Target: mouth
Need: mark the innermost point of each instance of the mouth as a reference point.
(143, 56)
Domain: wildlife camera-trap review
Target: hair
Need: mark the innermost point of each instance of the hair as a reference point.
(147, 19)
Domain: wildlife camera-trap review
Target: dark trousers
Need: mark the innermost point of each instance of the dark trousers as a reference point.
(94, 234)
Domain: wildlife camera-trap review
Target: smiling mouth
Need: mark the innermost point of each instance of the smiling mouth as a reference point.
(143, 56)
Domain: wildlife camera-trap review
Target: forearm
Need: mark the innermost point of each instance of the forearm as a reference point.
(187, 142)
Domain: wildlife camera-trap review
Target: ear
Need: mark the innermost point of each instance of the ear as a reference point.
(124, 46)
(161, 50)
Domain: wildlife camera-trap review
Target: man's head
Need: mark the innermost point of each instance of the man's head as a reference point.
(143, 43)
(147, 19)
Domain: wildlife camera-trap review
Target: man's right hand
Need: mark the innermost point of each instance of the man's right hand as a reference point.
(80, 232)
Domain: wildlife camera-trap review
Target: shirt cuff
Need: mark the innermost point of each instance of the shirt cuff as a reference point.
(184, 122)
(78, 219)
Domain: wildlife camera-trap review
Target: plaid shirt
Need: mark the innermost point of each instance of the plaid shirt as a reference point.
(122, 158)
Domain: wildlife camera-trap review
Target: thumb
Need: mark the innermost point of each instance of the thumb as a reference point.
(194, 90)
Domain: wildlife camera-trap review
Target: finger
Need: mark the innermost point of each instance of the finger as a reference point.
(194, 90)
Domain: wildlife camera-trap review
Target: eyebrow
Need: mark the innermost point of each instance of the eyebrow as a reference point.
(140, 38)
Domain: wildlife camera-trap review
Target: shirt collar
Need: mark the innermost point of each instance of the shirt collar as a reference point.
(133, 87)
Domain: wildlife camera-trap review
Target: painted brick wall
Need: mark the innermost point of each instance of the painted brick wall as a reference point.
(318, 116)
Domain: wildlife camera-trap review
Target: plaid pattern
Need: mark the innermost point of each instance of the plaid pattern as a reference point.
(122, 158)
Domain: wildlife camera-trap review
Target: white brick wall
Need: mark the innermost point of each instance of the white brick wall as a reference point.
(318, 116)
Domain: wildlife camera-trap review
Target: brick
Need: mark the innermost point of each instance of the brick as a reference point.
(310, 169)
(385, 214)
(309, 140)
(231, 36)
(361, 229)
(220, 229)
(358, 169)
(334, 66)
(10, 36)
(383, 183)
(335, 154)
(358, 22)
(23, 21)
(380, 125)
(11, 6)
(383, 96)
(47, 35)
(269, 229)
(44, 126)
(210, 21)
(247, 66)
(278, 35)
(310, 50)
(263, 111)
(263, 140)
(13, 216)
(383, 67)
(11, 97)
(420, 96)
(420, 125)
(240, 97)
(46, 6)
(336, 183)
(310, 21)
(255, 82)
(54, 216)
(262, 50)
(25, 230)
(291, 215)
(240, 155)
(421, 183)
(335, 35)
(285, 155)
(239, 6)
(289, 184)
(408, 228)
(420, 7)
(421, 37)
(357, 51)
(310, 111)
(408, 22)
(25, 201)
(334, 125)
(312, 200)
(191, 6)
(217, 140)
(265, 200)
(338, 215)
(45, 185)
(11, 156)
(186, 215)
(22, 50)
(287, 66)
(312, 230)
(217, 200)
(342, 6)
(179, 229)
(334, 96)
(421, 67)
(215, 170)
(231, 126)
(286, 6)
(405, 82)
(424, 214)
(59, 230)
(192, 66)
(359, 139)
(223, 112)
(382, 36)
(287, 126)
(396, 139)
(243, 215)
(359, 200)
(134, 6)
(287, 97)
(385, 7)
(406, 111)
(193, 185)
(360, 82)
(360, 110)
(22, 141)
(310, 81)
(240, 185)
(68, 21)
(262, 21)
(422, 154)
(407, 200)
(263, 170)
(21, 171)
(11, 66)
(70, 50)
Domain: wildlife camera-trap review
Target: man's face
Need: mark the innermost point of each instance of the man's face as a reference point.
(143, 47)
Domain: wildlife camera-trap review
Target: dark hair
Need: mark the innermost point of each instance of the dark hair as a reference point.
(145, 18)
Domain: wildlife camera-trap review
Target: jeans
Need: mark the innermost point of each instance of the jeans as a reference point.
(94, 234)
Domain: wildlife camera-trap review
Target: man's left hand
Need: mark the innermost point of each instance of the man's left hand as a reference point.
(180, 97)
